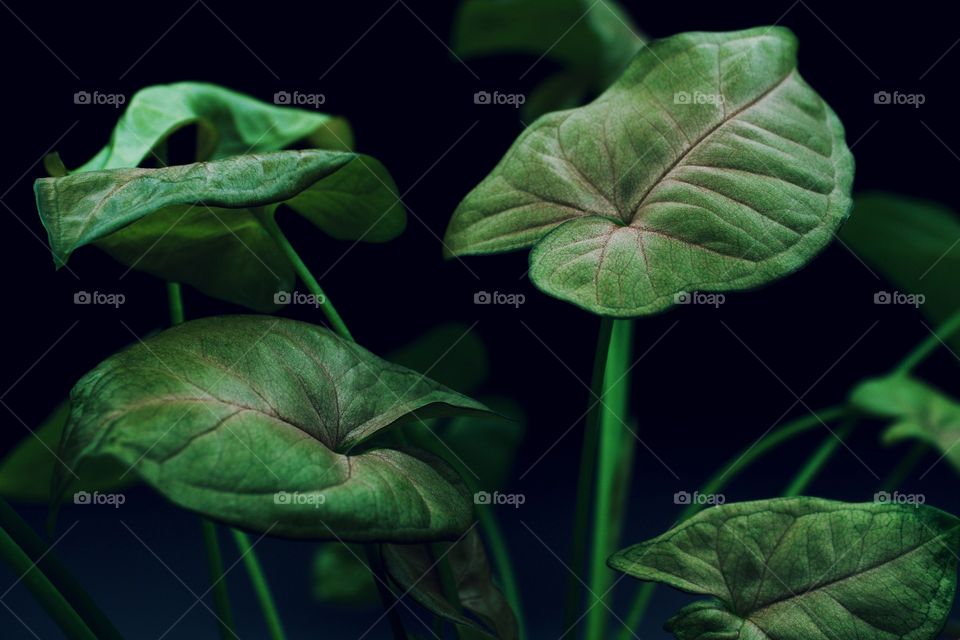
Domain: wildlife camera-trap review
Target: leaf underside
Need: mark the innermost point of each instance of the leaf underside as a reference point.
(806, 569)
(260, 423)
(709, 165)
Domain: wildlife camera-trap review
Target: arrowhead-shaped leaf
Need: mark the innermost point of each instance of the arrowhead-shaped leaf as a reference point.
(917, 410)
(228, 123)
(709, 165)
(195, 223)
(805, 568)
(262, 423)
(414, 569)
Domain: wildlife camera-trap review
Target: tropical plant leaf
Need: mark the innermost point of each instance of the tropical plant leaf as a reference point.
(709, 165)
(415, 569)
(802, 568)
(917, 410)
(261, 423)
(593, 41)
(914, 243)
(452, 354)
(342, 577)
(228, 123)
(197, 223)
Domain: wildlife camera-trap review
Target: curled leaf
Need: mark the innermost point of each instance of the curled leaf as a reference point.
(262, 423)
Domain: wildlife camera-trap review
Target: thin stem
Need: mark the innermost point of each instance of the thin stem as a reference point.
(501, 560)
(929, 344)
(175, 303)
(387, 597)
(259, 583)
(904, 467)
(52, 601)
(606, 532)
(818, 460)
(721, 479)
(448, 584)
(221, 596)
(269, 223)
(588, 458)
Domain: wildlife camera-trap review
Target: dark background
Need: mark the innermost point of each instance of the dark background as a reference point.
(700, 394)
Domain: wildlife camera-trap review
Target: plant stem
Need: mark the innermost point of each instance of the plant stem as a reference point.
(52, 601)
(588, 457)
(269, 223)
(387, 598)
(501, 560)
(818, 460)
(175, 303)
(929, 344)
(221, 597)
(448, 584)
(260, 586)
(903, 468)
(606, 533)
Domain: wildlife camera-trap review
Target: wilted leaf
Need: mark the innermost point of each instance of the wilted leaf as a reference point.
(802, 568)
(709, 165)
(196, 223)
(228, 123)
(260, 423)
(342, 577)
(415, 570)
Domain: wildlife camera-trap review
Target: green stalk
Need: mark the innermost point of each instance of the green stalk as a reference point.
(818, 460)
(387, 598)
(221, 597)
(929, 344)
(903, 468)
(175, 303)
(52, 601)
(259, 582)
(501, 560)
(588, 458)
(606, 533)
(269, 223)
(448, 584)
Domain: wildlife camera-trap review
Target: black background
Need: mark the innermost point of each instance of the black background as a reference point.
(700, 394)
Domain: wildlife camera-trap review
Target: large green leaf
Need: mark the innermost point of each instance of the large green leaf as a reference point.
(415, 568)
(918, 412)
(592, 40)
(196, 223)
(914, 243)
(806, 569)
(709, 165)
(260, 423)
(228, 123)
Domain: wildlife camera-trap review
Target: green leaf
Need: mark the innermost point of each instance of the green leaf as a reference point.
(228, 123)
(709, 165)
(261, 423)
(341, 577)
(804, 568)
(415, 569)
(914, 243)
(452, 354)
(918, 412)
(592, 40)
(196, 223)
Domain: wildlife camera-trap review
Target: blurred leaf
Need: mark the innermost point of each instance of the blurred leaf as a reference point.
(913, 243)
(196, 223)
(341, 577)
(591, 40)
(450, 353)
(262, 423)
(802, 568)
(486, 445)
(710, 165)
(228, 123)
(415, 569)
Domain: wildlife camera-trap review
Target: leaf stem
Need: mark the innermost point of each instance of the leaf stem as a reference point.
(260, 586)
(903, 468)
(501, 559)
(929, 344)
(175, 303)
(269, 223)
(613, 432)
(387, 597)
(818, 460)
(221, 596)
(588, 457)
